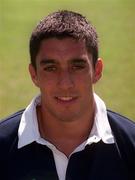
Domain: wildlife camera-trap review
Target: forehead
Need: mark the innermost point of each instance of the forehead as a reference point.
(65, 48)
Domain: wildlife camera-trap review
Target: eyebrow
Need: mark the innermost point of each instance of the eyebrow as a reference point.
(72, 61)
(47, 61)
(79, 61)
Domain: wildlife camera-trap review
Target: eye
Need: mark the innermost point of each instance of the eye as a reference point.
(78, 66)
(51, 68)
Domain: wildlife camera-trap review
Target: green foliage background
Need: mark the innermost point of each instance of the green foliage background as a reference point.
(115, 23)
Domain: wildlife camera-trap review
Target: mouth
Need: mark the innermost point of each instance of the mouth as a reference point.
(65, 99)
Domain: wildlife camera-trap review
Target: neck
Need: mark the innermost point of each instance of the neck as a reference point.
(66, 136)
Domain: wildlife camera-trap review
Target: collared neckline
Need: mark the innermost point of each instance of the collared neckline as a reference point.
(28, 131)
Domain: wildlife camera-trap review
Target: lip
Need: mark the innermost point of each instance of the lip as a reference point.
(65, 99)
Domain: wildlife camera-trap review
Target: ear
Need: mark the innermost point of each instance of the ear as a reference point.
(98, 70)
(33, 74)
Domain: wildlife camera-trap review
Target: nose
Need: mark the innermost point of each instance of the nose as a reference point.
(65, 80)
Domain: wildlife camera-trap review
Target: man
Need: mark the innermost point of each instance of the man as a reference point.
(66, 133)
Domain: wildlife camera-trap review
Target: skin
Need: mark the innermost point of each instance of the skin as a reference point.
(65, 76)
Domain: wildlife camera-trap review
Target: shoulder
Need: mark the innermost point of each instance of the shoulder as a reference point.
(123, 130)
(8, 138)
(122, 127)
(116, 119)
(9, 126)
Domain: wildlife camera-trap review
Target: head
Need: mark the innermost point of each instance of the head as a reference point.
(65, 65)
(64, 24)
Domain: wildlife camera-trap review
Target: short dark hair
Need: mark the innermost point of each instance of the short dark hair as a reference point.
(62, 24)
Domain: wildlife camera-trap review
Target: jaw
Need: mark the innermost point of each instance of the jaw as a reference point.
(67, 108)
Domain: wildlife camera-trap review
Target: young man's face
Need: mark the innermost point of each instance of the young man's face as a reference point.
(65, 76)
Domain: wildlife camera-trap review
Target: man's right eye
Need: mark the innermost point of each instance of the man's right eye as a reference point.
(50, 68)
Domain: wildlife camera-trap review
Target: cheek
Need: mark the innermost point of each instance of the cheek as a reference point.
(84, 86)
(86, 79)
(47, 83)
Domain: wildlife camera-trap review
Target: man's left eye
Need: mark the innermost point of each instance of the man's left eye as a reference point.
(78, 67)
